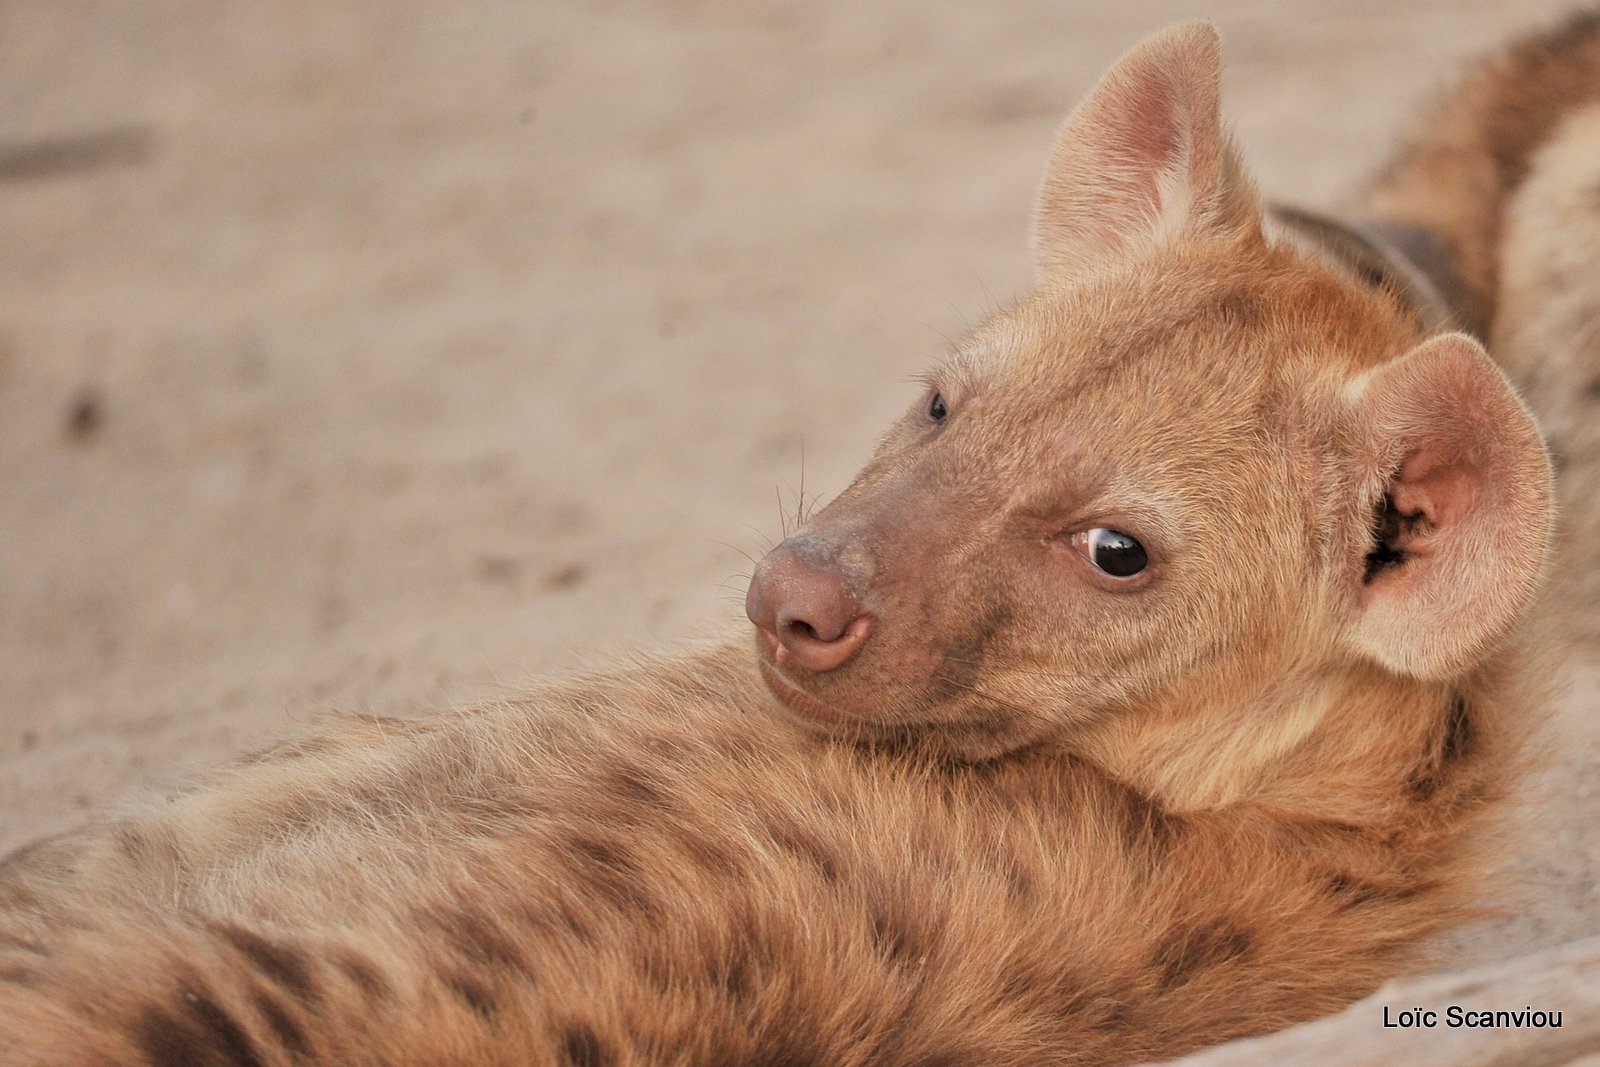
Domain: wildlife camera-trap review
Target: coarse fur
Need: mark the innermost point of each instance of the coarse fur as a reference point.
(1041, 814)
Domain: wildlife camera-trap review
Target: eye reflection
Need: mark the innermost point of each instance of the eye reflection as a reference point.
(1111, 551)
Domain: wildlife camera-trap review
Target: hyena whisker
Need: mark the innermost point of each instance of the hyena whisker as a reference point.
(730, 546)
(800, 501)
(766, 539)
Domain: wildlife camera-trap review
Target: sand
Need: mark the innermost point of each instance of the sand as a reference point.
(376, 357)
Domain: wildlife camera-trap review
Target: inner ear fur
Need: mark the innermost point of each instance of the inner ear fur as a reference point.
(1144, 159)
(1456, 479)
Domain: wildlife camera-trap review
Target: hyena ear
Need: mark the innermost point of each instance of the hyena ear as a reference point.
(1143, 159)
(1457, 484)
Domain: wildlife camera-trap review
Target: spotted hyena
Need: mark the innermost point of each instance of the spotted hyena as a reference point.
(1150, 686)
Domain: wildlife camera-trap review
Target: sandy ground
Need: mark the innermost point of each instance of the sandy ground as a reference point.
(373, 357)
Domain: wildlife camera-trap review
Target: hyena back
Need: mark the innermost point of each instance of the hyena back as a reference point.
(1152, 685)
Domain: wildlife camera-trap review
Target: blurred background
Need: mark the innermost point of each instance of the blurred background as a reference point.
(376, 356)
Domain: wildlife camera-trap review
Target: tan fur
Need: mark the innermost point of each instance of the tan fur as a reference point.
(1040, 817)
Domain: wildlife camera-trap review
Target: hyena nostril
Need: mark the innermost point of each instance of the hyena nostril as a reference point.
(801, 630)
(804, 644)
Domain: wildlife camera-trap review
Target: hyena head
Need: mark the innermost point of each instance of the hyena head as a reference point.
(1188, 463)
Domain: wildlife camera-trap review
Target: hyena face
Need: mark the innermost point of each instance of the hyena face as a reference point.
(1188, 463)
(1109, 487)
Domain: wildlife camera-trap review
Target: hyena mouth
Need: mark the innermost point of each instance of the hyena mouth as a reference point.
(796, 699)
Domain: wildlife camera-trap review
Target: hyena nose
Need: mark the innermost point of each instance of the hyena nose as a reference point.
(808, 609)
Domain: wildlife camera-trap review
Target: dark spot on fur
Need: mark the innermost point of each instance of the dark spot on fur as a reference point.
(582, 1047)
(636, 785)
(364, 976)
(1592, 390)
(1113, 1014)
(575, 925)
(16, 895)
(1350, 892)
(1020, 980)
(1148, 829)
(1458, 732)
(1572, 31)
(893, 935)
(1186, 954)
(478, 938)
(1412, 890)
(1021, 882)
(806, 846)
(708, 853)
(198, 1033)
(289, 1033)
(228, 1037)
(283, 964)
(1240, 308)
(656, 968)
(1454, 743)
(16, 974)
(732, 970)
(734, 963)
(610, 855)
(609, 869)
(474, 994)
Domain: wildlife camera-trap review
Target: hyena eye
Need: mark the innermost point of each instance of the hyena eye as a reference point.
(936, 407)
(1112, 551)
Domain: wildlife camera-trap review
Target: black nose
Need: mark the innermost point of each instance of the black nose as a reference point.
(809, 606)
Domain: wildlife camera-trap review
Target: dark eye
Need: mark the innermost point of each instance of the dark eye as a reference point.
(936, 409)
(1112, 551)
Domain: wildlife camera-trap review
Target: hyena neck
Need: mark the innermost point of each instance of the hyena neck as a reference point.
(1404, 262)
(1333, 743)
